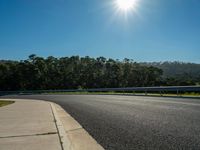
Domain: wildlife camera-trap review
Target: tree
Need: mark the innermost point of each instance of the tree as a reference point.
(38, 73)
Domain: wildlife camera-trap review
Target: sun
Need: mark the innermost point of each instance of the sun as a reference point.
(125, 5)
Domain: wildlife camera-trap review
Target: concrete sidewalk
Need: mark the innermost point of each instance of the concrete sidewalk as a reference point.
(28, 125)
(40, 125)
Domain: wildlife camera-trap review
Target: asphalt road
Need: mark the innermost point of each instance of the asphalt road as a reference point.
(135, 122)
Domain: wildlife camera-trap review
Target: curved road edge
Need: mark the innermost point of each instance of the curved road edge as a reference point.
(73, 135)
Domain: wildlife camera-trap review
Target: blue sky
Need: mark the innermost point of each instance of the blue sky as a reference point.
(156, 30)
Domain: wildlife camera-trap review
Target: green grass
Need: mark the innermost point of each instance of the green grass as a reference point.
(187, 94)
(79, 93)
(4, 103)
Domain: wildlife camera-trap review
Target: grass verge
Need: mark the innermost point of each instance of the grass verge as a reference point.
(186, 94)
(4, 103)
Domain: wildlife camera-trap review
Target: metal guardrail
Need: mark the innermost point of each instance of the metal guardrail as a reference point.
(160, 89)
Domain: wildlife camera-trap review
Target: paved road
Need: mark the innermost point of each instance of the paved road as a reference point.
(131, 122)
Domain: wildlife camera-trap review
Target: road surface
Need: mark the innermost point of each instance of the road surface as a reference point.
(134, 122)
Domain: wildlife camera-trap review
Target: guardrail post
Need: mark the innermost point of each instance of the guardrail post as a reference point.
(177, 92)
(160, 93)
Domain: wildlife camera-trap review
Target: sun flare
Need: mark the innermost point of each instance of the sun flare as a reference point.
(125, 5)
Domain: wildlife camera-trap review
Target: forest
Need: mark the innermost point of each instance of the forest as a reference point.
(75, 72)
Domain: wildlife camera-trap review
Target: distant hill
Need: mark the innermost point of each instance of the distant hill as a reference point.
(181, 71)
(172, 69)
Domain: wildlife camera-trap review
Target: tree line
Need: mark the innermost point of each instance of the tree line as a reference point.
(38, 73)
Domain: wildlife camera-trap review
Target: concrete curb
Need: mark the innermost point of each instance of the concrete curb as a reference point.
(65, 144)
(73, 136)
